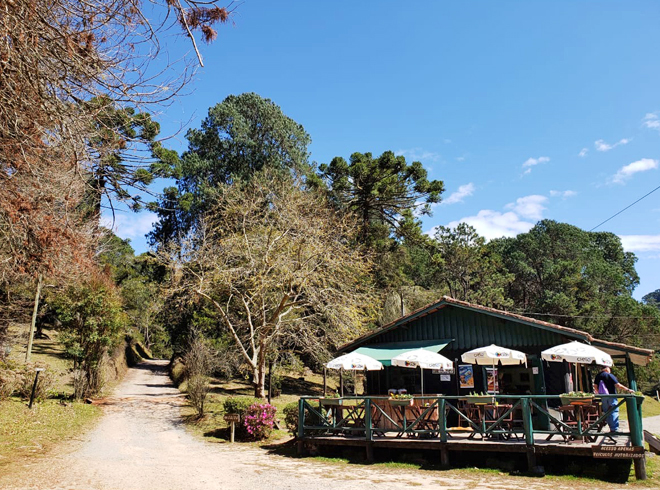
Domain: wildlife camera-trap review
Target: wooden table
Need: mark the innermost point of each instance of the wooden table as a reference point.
(578, 415)
(486, 415)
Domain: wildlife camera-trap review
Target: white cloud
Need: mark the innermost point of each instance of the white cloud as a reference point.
(583, 152)
(627, 171)
(460, 159)
(419, 154)
(493, 224)
(531, 162)
(530, 207)
(458, 196)
(563, 194)
(641, 243)
(601, 145)
(130, 225)
(651, 121)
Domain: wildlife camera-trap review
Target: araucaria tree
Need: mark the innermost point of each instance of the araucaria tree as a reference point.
(280, 267)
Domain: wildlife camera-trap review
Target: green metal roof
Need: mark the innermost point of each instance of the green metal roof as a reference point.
(386, 351)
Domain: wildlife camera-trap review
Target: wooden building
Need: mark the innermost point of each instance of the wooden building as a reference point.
(453, 327)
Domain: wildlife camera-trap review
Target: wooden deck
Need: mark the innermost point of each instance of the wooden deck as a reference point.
(462, 442)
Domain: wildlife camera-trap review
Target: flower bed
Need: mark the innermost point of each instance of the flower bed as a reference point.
(577, 398)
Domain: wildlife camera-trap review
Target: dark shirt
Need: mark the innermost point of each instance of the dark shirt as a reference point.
(609, 379)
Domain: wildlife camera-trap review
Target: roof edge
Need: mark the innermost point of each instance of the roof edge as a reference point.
(449, 301)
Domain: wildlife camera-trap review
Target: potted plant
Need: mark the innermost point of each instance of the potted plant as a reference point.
(401, 399)
(577, 398)
(479, 398)
(332, 399)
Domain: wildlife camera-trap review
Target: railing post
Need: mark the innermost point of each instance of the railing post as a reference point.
(634, 410)
(368, 430)
(442, 428)
(529, 434)
(442, 419)
(301, 425)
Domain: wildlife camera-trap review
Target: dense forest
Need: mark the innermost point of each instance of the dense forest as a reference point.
(259, 255)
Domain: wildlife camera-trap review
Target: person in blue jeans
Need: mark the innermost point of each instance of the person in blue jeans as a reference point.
(606, 383)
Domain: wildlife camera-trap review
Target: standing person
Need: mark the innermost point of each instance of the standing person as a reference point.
(606, 383)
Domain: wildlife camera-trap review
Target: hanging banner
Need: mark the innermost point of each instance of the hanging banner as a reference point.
(493, 386)
(466, 375)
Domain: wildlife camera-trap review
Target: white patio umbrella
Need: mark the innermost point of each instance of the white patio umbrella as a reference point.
(577, 353)
(355, 362)
(423, 359)
(352, 362)
(492, 355)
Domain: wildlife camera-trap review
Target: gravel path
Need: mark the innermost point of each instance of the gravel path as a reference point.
(652, 424)
(140, 444)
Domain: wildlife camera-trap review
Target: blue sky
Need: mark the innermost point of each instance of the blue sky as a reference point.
(526, 110)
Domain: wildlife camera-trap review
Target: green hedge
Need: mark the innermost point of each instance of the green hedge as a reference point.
(239, 404)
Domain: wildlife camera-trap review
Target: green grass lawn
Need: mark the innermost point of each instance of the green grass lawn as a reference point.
(26, 433)
(212, 426)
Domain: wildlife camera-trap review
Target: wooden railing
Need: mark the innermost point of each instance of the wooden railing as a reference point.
(500, 417)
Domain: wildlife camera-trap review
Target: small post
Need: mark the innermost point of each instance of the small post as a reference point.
(301, 430)
(444, 456)
(325, 380)
(232, 419)
(341, 382)
(34, 386)
(368, 430)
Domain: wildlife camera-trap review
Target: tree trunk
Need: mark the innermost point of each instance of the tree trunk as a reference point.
(259, 373)
(37, 294)
(259, 379)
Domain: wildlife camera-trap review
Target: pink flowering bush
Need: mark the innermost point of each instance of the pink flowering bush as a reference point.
(259, 420)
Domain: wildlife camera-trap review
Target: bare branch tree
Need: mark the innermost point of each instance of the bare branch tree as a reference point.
(279, 267)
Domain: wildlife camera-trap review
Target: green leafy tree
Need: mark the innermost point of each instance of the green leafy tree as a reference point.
(92, 321)
(467, 268)
(240, 136)
(652, 298)
(379, 191)
(579, 279)
(384, 193)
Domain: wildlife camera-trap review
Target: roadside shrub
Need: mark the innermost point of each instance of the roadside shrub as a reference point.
(177, 371)
(199, 363)
(80, 383)
(9, 379)
(259, 420)
(92, 319)
(198, 388)
(26, 381)
(239, 404)
(291, 417)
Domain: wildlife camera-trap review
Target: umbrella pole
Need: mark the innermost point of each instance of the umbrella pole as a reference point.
(422, 382)
(341, 382)
(325, 380)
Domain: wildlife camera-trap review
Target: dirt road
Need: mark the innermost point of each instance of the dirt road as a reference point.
(141, 444)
